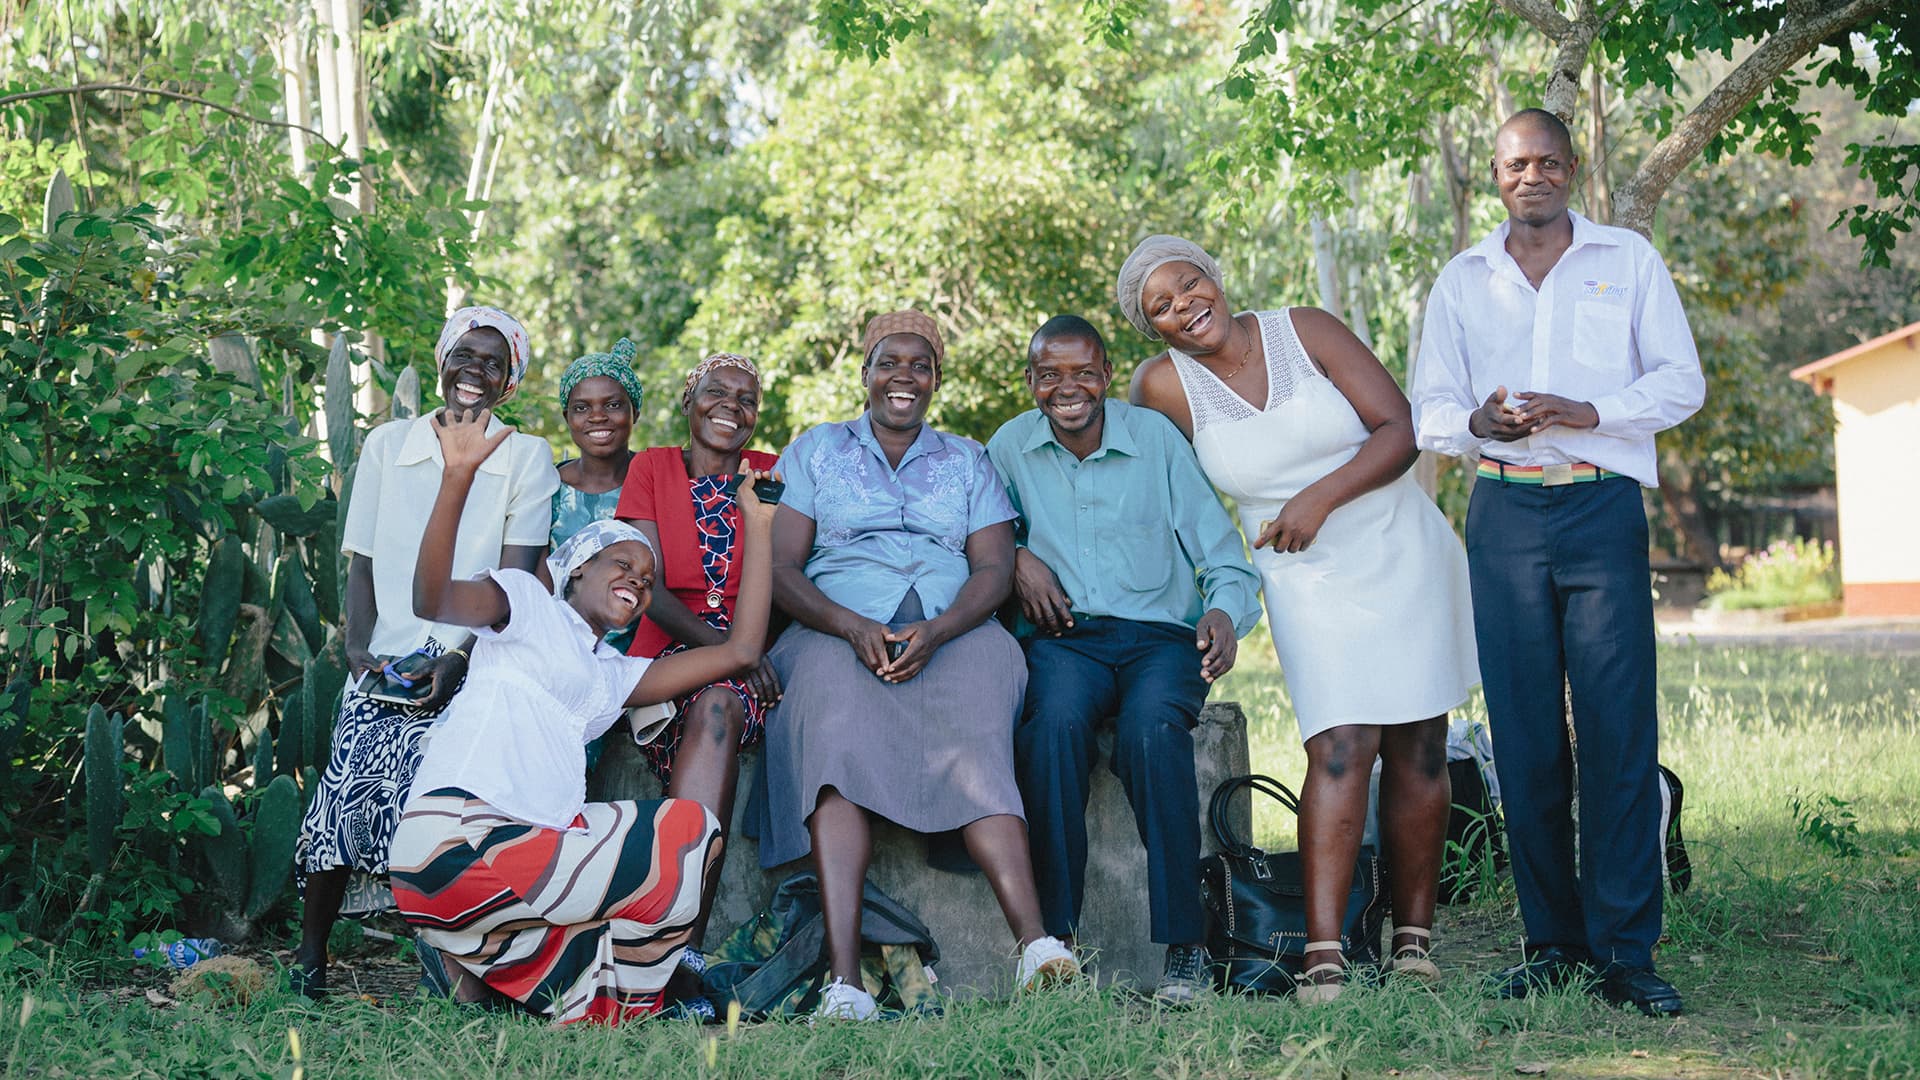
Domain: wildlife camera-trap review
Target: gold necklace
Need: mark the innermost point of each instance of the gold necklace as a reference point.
(1228, 377)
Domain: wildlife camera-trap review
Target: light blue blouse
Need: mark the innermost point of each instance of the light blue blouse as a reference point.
(880, 531)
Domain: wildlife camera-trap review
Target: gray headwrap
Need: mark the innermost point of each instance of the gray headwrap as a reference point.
(585, 544)
(1153, 253)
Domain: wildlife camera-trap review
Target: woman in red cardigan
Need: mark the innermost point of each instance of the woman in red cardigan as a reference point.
(682, 499)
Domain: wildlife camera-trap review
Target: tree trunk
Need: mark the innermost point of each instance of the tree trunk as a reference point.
(290, 52)
(329, 71)
(1599, 190)
(1680, 505)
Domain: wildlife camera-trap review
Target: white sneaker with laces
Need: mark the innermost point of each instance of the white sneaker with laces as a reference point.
(844, 1001)
(1045, 962)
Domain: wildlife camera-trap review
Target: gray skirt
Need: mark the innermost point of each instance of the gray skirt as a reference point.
(932, 754)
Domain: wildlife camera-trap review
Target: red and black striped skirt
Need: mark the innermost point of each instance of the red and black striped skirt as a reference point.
(577, 924)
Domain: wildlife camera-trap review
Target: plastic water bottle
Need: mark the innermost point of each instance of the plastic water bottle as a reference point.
(186, 952)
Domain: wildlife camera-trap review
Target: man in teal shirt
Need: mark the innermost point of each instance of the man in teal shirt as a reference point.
(1137, 588)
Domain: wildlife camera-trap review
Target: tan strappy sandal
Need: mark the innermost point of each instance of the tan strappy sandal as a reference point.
(1412, 960)
(1309, 992)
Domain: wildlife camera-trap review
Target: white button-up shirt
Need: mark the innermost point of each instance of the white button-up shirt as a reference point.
(394, 488)
(1605, 327)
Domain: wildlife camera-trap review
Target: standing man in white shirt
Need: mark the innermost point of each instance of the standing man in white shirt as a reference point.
(1554, 350)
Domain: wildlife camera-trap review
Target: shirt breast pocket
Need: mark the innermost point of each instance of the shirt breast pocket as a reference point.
(1146, 557)
(1600, 335)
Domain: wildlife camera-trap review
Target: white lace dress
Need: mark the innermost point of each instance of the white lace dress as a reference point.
(1372, 623)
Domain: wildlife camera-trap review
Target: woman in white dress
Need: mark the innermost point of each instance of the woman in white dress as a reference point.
(1365, 583)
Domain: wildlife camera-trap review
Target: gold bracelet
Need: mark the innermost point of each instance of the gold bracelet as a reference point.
(461, 653)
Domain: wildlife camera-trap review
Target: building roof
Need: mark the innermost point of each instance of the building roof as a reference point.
(1805, 372)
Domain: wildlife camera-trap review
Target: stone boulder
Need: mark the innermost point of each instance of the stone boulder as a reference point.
(976, 948)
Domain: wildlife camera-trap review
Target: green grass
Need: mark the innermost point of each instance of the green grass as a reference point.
(1794, 958)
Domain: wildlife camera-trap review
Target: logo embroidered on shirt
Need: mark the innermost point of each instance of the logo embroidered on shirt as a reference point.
(1604, 288)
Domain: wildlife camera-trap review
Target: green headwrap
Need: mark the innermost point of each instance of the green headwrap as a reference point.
(616, 365)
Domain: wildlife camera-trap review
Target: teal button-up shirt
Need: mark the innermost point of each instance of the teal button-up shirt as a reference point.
(1134, 531)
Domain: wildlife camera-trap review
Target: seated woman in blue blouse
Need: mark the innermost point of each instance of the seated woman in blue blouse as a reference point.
(892, 548)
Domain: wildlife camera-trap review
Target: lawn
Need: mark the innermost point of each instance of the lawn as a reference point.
(1798, 949)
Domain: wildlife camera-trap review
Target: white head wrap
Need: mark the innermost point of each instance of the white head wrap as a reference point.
(590, 541)
(1153, 253)
(473, 318)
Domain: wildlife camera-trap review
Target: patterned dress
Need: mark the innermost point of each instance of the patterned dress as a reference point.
(717, 523)
(698, 522)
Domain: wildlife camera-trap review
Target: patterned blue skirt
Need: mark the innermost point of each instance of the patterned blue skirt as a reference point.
(350, 820)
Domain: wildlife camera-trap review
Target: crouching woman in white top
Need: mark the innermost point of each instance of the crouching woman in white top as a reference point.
(516, 884)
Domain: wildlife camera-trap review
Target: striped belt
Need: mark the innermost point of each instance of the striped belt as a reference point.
(1578, 472)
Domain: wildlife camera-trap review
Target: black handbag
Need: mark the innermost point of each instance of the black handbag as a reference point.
(1256, 902)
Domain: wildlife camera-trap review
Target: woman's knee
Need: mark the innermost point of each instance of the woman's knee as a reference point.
(1419, 749)
(1342, 752)
(716, 717)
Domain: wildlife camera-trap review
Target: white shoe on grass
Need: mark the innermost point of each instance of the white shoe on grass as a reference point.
(1043, 963)
(844, 1001)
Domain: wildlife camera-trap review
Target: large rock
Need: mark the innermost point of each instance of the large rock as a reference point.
(976, 948)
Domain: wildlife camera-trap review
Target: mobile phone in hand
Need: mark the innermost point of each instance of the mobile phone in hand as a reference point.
(895, 649)
(382, 683)
(768, 489)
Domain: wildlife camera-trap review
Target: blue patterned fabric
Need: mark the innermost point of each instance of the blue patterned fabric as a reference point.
(880, 530)
(574, 510)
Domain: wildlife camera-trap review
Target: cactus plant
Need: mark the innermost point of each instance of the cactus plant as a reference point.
(341, 443)
(263, 758)
(291, 746)
(225, 854)
(276, 830)
(106, 801)
(176, 744)
(406, 394)
(292, 590)
(220, 597)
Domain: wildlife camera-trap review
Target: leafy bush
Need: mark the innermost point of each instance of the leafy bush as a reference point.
(169, 563)
(1786, 574)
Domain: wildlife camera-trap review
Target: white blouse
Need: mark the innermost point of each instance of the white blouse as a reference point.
(394, 487)
(536, 693)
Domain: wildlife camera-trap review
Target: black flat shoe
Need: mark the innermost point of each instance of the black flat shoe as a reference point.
(1547, 969)
(1651, 994)
(308, 980)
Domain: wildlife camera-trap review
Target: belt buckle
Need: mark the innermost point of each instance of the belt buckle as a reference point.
(1556, 475)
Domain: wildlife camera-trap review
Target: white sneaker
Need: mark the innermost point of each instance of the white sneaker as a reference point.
(1045, 962)
(843, 1001)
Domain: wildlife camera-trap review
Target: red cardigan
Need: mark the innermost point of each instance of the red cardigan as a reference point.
(657, 490)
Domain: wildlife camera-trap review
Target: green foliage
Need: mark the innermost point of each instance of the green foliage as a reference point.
(868, 28)
(1788, 573)
(1827, 821)
(1003, 168)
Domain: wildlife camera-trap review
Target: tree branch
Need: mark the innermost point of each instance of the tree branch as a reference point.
(1806, 25)
(129, 88)
(1542, 15)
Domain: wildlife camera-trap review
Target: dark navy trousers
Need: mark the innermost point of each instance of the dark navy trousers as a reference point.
(1146, 676)
(1562, 590)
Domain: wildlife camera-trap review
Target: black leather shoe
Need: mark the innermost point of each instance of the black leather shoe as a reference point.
(1651, 994)
(1547, 969)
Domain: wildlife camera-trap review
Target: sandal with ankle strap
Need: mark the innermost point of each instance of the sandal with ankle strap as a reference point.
(1412, 960)
(1309, 992)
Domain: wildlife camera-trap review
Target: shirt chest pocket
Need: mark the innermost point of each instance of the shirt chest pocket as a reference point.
(1144, 550)
(1601, 333)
